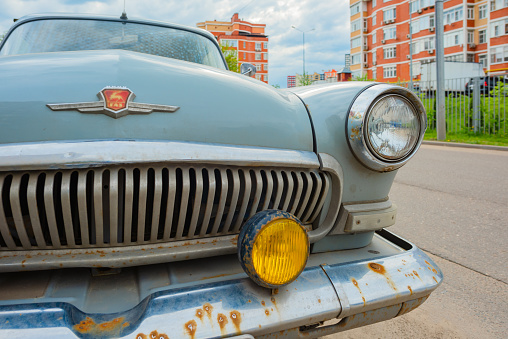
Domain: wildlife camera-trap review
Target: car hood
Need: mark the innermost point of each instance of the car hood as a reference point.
(216, 106)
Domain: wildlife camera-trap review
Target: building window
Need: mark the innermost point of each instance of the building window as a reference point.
(482, 59)
(258, 47)
(244, 56)
(373, 3)
(374, 37)
(415, 26)
(355, 25)
(265, 45)
(470, 57)
(482, 11)
(355, 9)
(389, 33)
(229, 43)
(390, 71)
(265, 77)
(453, 15)
(356, 59)
(389, 14)
(356, 42)
(265, 56)
(482, 36)
(498, 55)
(455, 58)
(389, 52)
(374, 19)
(452, 39)
(374, 74)
(498, 4)
(258, 56)
(258, 76)
(498, 28)
(374, 57)
(244, 44)
(258, 68)
(470, 12)
(470, 37)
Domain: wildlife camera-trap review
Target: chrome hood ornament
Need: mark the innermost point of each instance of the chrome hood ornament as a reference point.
(115, 102)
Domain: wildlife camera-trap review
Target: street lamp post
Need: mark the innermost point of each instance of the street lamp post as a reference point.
(303, 38)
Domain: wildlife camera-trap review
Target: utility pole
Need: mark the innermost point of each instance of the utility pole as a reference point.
(410, 49)
(440, 91)
(303, 38)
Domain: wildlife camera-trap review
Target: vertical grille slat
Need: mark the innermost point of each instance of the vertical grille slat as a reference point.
(257, 196)
(157, 198)
(198, 196)
(113, 207)
(245, 201)
(82, 208)
(308, 190)
(322, 197)
(50, 210)
(17, 215)
(183, 203)
(4, 229)
(315, 196)
(234, 200)
(299, 190)
(269, 190)
(280, 189)
(98, 229)
(128, 205)
(168, 225)
(65, 192)
(143, 185)
(289, 192)
(222, 201)
(133, 205)
(209, 203)
(33, 210)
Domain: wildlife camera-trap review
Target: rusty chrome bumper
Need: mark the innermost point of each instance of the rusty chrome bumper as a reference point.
(388, 278)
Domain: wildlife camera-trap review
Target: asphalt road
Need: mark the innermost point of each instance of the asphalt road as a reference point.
(453, 203)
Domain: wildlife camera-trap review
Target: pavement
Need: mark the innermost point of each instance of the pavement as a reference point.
(458, 144)
(453, 204)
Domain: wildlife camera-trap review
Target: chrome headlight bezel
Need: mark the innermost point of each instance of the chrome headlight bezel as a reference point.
(357, 133)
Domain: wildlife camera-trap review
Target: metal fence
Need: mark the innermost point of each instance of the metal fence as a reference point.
(472, 105)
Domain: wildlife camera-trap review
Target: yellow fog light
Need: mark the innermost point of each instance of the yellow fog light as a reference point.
(273, 248)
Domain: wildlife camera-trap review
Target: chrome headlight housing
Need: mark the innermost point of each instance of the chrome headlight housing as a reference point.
(385, 127)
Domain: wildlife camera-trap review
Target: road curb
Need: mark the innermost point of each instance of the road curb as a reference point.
(456, 144)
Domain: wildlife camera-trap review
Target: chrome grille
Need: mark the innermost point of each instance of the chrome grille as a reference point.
(133, 205)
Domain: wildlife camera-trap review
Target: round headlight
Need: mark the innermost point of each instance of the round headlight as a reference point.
(273, 248)
(385, 127)
(393, 128)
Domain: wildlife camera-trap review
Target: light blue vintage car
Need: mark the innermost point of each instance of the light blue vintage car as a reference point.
(148, 192)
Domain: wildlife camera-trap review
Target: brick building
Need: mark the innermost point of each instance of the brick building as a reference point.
(247, 39)
(291, 81)
(474, 31)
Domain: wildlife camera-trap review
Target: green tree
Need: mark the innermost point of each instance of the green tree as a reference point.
(276, 86)
(304, 80)
(2, 36)
(230, 54)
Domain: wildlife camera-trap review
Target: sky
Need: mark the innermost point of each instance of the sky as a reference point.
(325, 47)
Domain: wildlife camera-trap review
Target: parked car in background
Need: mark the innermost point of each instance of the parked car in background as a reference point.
(148, 192)
(485, 84)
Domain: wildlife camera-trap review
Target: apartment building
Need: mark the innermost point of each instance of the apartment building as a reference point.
(247, 39)
(474, 31)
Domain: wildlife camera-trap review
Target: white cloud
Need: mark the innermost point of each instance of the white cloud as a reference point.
(324, 47)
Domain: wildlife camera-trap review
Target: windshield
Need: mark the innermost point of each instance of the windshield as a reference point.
(57, 35)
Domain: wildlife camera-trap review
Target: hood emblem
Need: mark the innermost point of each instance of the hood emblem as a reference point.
(115, 102)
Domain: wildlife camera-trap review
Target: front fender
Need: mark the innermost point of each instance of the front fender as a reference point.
(329, 106)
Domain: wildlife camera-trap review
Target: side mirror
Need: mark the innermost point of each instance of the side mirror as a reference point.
(248, 69)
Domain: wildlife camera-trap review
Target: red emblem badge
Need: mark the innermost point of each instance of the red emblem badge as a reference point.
(116, 99)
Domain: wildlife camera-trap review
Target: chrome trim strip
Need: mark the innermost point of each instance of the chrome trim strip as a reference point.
(358, 114)
(84, 154)
(363, 212)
